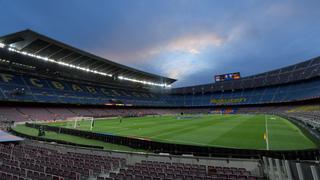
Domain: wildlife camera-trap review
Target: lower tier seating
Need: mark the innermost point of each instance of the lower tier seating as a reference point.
(25, 161)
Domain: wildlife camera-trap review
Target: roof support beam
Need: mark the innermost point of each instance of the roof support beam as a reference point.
(75, 59)
(64, 57)
(110, 70)
(42, 48)
(55, 53)
(83, 63)
(102, 65)
(93, 65)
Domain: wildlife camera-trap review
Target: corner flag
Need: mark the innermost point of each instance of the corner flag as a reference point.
(265, 136)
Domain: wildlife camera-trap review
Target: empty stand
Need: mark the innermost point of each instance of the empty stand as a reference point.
(34, 162)
(29, 88)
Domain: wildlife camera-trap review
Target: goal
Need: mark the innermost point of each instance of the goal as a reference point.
(85, 123)
(189, 116)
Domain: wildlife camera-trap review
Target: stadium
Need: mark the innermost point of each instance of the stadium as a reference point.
(69, 114)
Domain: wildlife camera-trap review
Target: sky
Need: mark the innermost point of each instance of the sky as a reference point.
(189, 40)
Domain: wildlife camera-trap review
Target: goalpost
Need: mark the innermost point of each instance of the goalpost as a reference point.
(81, 122)
(189, 116)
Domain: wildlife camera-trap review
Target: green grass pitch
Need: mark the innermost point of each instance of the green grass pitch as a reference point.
(75, 139)
(232, 131)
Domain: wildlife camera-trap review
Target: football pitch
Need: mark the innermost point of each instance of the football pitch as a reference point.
(231, 131)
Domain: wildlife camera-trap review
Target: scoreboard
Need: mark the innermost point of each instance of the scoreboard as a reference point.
(227, 77)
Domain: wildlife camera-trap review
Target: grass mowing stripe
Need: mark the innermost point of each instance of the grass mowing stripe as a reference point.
(286, 136)
(184, 127)
(246, 129)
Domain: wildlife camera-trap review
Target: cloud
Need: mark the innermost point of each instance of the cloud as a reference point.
(181, 57)
(177, 57)
(192, 44)
(188, 44)
(188, 40)
(182, 66)
(281, 9)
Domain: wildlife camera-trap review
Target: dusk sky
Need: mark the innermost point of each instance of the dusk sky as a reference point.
(190, 40)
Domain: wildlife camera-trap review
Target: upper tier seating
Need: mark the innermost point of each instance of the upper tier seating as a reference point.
(276, 94)
(297, 72)
(24, 87)
(27, 88)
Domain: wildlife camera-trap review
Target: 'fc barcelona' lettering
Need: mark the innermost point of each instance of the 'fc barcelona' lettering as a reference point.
(57, 85)
(76, 88)
(36, 82)
(6, 77)
(91, 89)
(104, 91)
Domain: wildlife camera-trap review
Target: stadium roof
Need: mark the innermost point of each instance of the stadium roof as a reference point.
(33, 43)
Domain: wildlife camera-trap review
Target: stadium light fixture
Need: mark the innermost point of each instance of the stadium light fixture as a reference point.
(143, 82)
(12, 45)
(10, 48)
(58, 62)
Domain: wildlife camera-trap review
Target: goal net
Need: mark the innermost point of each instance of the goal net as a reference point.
(189, 116)
(85, 123)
